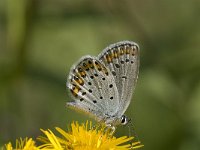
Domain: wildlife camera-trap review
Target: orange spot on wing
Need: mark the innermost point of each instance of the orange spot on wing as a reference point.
(98, 66)
(115, 54)
(128, 49)
(75, 90)
(81, 72)
(108, 58)
(79, 80)
(121, 51)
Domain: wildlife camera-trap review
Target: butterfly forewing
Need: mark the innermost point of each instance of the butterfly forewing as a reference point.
(93, 88)
(122, 59)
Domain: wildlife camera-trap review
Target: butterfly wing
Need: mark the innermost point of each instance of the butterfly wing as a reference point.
(122, 59)
(93, 88)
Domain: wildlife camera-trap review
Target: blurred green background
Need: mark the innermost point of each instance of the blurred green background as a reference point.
(41, 39)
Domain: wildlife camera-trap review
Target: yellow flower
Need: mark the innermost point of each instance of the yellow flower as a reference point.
(22, 144)
(85, 137)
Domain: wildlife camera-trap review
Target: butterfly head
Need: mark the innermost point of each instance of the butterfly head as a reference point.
(113, 121)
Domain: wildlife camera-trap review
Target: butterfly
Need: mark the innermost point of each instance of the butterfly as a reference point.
(102, 86)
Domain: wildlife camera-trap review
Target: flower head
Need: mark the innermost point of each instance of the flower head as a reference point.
(85, 137)
(22, 144)
(80, 137)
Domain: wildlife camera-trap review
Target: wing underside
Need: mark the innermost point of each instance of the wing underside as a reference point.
(93, 88)
(122, 59)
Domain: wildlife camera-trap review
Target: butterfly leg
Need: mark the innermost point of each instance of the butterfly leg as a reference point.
(110, 129)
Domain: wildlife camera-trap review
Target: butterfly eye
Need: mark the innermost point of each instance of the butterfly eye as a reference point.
(124, 120)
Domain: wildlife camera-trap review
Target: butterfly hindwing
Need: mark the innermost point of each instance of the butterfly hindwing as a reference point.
(93, 88)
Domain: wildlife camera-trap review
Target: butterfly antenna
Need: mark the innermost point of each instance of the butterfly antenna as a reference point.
(132, 131)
